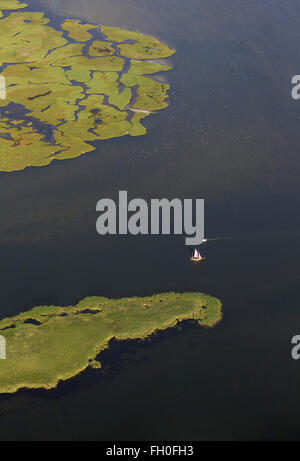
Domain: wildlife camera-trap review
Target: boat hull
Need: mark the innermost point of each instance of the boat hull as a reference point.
(196, 260)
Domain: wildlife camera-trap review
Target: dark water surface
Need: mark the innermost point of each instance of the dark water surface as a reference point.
(231, 136)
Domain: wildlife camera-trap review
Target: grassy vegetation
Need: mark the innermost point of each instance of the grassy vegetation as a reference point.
(143, 47)
(48, 344)
(11, 5)
(78, 31)
(59, 87)
(99, 48)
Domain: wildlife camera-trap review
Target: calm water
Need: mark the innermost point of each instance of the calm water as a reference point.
(231, 136)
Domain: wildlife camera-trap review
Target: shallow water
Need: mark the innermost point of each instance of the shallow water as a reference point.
(231, 136)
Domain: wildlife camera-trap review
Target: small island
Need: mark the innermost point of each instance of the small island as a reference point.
(49, 344)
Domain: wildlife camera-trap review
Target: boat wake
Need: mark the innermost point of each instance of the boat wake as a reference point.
(214, 239)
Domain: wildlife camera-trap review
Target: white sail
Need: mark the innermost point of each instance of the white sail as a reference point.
(197, 254)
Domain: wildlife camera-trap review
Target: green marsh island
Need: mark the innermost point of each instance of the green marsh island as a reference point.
(49, 344)
(70, 86)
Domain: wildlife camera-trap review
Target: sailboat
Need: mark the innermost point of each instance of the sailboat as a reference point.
(197, 256)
